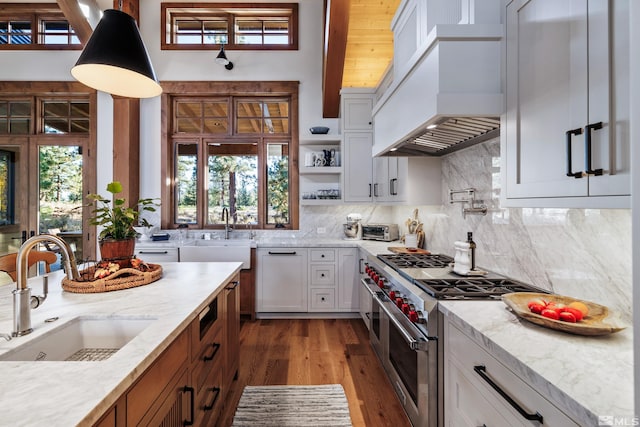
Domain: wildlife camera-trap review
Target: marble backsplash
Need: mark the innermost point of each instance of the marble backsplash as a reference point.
(585, 253)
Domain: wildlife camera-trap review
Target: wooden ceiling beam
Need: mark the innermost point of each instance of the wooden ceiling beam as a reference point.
(77, 20)
(335, 47)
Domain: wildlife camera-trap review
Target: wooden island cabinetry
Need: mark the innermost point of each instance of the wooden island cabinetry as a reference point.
(187, 384)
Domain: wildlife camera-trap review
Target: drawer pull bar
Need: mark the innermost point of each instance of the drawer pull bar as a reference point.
(282, 253)
(216, 391)
(192, 392)
(153, 252)
(481, 370)
(233, 285)
(568, 135)
(216, 347)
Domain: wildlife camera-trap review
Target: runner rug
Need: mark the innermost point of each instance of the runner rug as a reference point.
(298, 405)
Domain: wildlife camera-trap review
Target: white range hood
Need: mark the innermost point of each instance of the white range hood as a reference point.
(453, 81)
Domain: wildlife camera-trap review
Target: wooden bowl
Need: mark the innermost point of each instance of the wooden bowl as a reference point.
(593, 324)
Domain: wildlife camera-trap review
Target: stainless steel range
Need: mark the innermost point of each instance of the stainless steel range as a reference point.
(405, 328)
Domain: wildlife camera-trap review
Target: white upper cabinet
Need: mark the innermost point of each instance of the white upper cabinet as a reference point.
(565, 135)
(356, 112)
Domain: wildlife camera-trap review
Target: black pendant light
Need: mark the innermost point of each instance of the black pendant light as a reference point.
(115, 59)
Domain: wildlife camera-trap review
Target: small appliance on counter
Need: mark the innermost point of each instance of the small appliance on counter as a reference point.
(383, 232)
(353, 227)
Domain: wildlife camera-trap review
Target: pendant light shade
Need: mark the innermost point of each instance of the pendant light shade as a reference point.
(222, 59)
(115, 59)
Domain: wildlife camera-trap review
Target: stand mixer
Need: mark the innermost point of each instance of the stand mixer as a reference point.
(353, 228)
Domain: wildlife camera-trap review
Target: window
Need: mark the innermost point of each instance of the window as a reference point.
(22, 27)
(7, 187)
(15, 116)
(65, 116)
(235, 151)
(237, 26)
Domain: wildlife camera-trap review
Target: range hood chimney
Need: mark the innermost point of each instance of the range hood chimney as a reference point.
(445, 97)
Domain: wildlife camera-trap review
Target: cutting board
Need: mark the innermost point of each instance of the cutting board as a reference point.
(405, 250)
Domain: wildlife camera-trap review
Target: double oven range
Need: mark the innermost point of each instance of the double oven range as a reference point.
(406, 328)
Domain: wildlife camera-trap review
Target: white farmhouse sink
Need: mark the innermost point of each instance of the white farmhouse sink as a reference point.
(218, 251)
(84, 338)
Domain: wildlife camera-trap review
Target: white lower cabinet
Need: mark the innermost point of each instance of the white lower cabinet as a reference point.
(472, 379)
(281, 281)
(303, 280)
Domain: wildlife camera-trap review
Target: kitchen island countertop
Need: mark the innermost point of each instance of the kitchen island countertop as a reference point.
(78, 393)
(586, 377)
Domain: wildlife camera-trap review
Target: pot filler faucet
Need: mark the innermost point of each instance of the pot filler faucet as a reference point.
(225, 218)
(23, 302)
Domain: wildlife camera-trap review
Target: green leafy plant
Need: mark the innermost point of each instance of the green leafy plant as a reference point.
(118, 220)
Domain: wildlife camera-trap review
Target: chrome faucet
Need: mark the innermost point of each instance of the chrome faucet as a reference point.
(225, 218)
(23, 302)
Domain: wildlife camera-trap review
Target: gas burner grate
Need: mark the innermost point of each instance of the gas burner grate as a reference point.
(473, 288)
(416, 260)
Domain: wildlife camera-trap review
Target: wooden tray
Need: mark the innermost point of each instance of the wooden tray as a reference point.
(592, 325)
(405, 250)
(122, 279)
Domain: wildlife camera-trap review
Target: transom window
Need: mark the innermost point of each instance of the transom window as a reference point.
(53, 116)
(23, 28)
(232, 153)
(237, 26)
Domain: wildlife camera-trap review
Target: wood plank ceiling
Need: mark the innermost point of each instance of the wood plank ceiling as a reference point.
(357, 53)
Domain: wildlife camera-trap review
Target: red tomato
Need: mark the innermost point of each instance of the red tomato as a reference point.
(567, 317)
(551, 314)
(557, 307)
(576, 313)
(536, 308)
(537, 301)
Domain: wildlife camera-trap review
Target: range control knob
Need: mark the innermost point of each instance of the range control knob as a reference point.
(392, 295)
(366, 268)
(406, 308)
(399, 301)
(381, 283)
(413, 316)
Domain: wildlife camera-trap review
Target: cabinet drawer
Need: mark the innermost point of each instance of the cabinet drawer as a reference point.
(323, 274)
(469, 357)
(322, 299)
(206, 329)
(208, 378)
(157, 255)
(210, 357)
(323, 255)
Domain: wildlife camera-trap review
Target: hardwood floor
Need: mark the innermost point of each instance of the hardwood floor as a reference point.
(317, 351)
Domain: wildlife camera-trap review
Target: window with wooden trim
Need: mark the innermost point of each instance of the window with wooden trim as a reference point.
(24, 27)
(237, 26)
(233, 152)
(53, 115)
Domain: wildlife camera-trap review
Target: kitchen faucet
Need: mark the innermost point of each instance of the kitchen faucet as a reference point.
(23, 302)
(225, 218)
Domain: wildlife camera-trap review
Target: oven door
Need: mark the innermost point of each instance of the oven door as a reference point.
(414, 375)
(378, 321)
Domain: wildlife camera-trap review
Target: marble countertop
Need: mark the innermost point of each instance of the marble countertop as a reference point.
(586, 377)
(78, 393)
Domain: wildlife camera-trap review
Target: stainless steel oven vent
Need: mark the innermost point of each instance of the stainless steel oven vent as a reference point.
(450, 134)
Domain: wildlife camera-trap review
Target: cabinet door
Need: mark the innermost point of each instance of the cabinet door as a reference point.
(232, 331)
(546, 96)
(358, 167)
(349, 280)
(282, 280)
(356, 113)
(609, 100)
(380, 179)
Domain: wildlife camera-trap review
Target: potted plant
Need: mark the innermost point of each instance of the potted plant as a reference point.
(117, 238)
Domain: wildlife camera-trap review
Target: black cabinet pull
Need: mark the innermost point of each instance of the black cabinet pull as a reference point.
(215, 347)
(481, 369)
(233, 285)
(587, 148)
(569, 134)
(192, 392)
(216, 393)
(375, 190)
(153, 252)
(369, 190)
(282, 253)
(361, 262)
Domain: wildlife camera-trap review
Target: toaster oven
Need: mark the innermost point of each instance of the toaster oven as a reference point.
(383, 232)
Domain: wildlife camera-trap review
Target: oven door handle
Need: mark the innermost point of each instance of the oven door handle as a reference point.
(416, 342)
